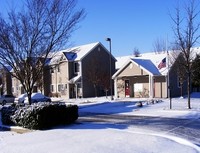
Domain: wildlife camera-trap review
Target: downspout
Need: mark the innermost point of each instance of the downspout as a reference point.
(81, 79)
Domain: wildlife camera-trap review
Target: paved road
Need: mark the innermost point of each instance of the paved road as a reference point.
(184, 128)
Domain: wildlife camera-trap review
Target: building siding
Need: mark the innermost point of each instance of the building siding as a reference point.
(99, 59)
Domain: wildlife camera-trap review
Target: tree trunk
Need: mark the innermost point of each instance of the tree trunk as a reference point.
(189, 84)
(29, 98)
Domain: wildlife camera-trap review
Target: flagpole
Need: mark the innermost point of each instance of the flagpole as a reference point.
(168, 84)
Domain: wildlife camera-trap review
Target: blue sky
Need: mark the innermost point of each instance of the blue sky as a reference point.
(129, 23)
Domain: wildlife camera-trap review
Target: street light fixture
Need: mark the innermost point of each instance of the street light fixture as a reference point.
(109, 40)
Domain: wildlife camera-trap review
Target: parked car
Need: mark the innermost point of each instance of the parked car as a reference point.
(35, 97)
(20, 99)
(6, 99)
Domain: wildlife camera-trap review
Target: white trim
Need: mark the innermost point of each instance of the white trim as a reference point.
(115, 88)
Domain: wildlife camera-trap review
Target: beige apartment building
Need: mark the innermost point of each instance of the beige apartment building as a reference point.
(151, 75)
(71, 73)
(80, 72)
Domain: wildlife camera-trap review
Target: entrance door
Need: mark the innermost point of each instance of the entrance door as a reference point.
(127, 88)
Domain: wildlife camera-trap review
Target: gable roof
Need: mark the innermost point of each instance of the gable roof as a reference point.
(72, 54)
(76, 53)
(79, 52)
(155, 59)
(144, 64)
(147, 65)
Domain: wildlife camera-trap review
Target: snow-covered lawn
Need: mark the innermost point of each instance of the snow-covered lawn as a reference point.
(92, 138)
(107, 138)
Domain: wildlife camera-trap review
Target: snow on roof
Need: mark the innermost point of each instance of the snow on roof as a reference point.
(170, 58)
(73, 54)
(55, 57)
(147, 65)
(155, 59)
(75, 79)
(77, 53)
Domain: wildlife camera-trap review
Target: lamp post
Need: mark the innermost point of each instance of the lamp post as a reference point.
(109, 40)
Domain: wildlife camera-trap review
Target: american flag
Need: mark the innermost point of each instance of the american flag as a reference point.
(162, 63)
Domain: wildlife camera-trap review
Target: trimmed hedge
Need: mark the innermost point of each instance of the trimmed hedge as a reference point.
(6, 113)
(42, 115)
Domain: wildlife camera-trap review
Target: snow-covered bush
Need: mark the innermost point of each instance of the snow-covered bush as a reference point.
(44, 115)
(139, 104)
(6, 113)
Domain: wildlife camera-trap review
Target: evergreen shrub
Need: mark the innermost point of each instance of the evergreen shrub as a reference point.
(44, 115)
(6, 113)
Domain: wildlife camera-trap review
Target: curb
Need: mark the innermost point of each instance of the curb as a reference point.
(16, 129)
(176, 139)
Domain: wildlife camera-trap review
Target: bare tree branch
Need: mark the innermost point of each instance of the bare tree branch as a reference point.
(29, 37)
(186, 31)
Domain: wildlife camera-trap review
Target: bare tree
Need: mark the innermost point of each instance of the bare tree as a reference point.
(136, 52)
(94, 73)
(160, 46)
(29, 36)
(2, 79)
(186, 30)
(105, 81)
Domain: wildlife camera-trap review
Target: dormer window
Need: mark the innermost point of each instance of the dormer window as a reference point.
(52, 70)
(76, 67)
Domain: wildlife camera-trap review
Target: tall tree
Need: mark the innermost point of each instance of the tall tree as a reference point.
(186, 30)
(29, 36)
(160, 46)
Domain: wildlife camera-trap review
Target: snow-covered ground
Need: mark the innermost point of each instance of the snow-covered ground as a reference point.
(107, 138)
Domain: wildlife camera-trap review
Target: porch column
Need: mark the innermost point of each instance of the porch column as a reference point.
(115, 88)
(151, 90)
(68, 91)
(76, 88)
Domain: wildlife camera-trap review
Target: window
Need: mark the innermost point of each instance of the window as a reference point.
(76, 67)
(52, 70)
(13, 89)
(180, 82)
(60, 87)
(52, 88)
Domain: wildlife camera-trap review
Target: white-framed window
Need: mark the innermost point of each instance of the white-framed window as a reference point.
(52, 70)
(52, 88)
(180, 82)
(13, 89)
(60, 87)
(76, 67)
